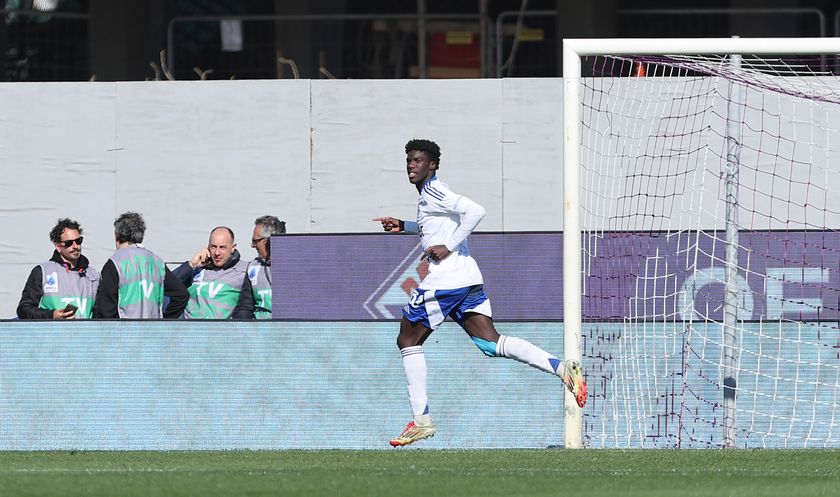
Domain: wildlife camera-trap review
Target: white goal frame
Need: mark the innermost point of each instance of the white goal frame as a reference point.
(573, 49)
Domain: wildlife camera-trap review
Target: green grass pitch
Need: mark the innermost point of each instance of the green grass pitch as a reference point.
(417, 472)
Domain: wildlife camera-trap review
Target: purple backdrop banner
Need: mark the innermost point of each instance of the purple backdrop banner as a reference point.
(674, 276)
(651, 276)
(363, 276)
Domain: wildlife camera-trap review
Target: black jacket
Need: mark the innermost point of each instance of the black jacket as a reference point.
(244, 307)
(33, 291)
(108, 295)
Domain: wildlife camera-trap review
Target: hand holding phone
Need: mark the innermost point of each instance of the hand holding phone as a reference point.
(201, 258)
(68, 312)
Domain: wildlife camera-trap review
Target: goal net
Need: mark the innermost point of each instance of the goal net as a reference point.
(709, 217)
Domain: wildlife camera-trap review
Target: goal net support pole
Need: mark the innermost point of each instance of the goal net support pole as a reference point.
(730, 304)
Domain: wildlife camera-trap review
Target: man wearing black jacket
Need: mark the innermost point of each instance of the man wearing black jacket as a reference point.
(65, 286)
(217, 280)
(135, 281)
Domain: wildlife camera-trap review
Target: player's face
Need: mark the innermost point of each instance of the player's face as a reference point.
(221, 247)
(259, 244)
(419, 166)
(72, 253)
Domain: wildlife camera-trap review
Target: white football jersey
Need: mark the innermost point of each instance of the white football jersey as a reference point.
(447, 218)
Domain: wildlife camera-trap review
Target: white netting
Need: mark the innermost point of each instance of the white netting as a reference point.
(660, 153)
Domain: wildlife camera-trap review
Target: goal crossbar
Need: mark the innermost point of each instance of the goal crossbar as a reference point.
(686, 46)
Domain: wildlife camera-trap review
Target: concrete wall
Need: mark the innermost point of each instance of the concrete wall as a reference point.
(327, 156)
(324, 155)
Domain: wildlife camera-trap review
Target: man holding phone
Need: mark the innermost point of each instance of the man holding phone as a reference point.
(65, 286)
(217, 280)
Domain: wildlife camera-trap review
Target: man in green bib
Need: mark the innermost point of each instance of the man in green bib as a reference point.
(217, 280)
(65, 286)
(135, 281)
(259, 270)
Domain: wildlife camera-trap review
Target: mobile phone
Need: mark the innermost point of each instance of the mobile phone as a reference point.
(71, 307)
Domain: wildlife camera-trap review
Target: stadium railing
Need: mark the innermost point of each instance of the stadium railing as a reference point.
(538, 52)
(386, 46)
(43, 46)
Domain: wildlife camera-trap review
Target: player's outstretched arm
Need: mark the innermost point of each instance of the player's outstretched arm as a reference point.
(390, 224)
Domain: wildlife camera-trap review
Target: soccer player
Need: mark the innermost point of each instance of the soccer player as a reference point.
(453, 287)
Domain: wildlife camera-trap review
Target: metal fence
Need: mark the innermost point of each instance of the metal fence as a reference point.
(720, 23)
(43, 46)
(53, 46)
(341, 45)
(535, 53)
(837, 23)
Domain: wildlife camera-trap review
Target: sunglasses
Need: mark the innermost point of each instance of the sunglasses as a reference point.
(69, 243)
(255, 241)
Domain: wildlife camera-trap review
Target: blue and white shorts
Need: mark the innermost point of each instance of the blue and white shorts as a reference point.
(430, 307)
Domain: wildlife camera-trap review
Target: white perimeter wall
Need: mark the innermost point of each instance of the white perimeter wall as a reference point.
(323, 155)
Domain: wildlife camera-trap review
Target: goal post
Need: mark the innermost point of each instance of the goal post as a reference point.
(654, 164)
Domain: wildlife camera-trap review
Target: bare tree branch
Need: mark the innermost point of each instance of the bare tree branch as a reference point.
(290, 63)
(163, 66)
(202, 74)
(157, 71)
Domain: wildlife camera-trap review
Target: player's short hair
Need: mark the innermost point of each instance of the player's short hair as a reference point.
(129, 227)
(270, 226)
(232, 238)
(60, 226)
(431, 148)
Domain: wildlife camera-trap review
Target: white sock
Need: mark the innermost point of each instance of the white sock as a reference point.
(422, 420)
(524, 351)
(414, 363)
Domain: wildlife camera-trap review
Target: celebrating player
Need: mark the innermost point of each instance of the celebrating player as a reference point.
(453, 287)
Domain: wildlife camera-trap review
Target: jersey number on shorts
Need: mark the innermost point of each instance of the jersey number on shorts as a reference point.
(416, 299)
